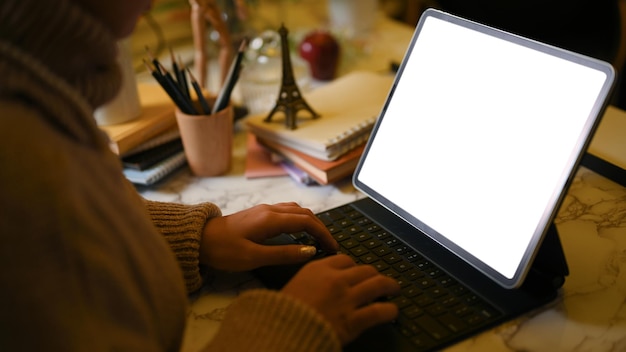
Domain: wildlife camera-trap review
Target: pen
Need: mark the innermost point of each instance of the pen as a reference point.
(231, 79)
(196, 87)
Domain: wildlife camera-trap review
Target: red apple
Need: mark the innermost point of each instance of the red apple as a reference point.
(321, 50)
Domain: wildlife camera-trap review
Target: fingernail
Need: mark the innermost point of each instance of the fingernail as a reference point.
(308, 251)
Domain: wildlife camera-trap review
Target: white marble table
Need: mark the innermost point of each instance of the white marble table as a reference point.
(589, 314)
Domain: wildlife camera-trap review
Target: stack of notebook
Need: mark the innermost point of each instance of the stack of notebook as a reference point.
(328, 148)
(155, 159)
(149, 146)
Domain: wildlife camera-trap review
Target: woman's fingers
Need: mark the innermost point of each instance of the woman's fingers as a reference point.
(290, 217)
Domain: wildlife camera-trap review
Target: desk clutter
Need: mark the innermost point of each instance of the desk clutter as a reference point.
(177, 126)
(150, 147)
(325, 149)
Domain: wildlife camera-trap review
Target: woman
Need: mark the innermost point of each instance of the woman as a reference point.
(89, 265)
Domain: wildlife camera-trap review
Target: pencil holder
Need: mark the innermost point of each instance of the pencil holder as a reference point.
(207, 140)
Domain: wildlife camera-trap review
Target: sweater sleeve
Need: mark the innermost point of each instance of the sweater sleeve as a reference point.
(264, 320)
(182, 226)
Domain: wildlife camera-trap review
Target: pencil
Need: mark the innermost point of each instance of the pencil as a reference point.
(196, 87)
(181, 65)
(170, 88)
(153, 59)
(231, 79)
(179, 75)
(185, 102)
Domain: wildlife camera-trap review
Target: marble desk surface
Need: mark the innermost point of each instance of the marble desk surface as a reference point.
(588, 315)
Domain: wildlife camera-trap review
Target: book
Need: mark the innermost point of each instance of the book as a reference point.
(157, 172)
(296, 173)
(145, 159)
(349, 107)
(322, 171)
(259, 161)
(606, 154)
(165, 137)
(157, 116)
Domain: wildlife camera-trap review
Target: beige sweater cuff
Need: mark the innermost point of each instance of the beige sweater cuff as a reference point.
(264, 320)
(182, 227)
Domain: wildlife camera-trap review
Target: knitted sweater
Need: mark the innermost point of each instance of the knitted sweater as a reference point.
(85, 262)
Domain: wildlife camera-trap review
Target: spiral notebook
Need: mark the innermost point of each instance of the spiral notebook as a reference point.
(348, 106)
(148, 158)
(158, 171)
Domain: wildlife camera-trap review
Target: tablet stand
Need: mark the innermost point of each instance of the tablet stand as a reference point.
(549, 268)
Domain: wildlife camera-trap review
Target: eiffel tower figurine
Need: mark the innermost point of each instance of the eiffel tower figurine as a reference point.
(289, 101)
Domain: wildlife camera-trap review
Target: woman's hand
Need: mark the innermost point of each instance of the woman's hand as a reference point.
(344, 294)
(233, 242)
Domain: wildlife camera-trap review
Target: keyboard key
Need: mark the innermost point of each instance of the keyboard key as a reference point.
(402, 302)
(392, 258)
(333, 229)
(412, 257)
(349, 243)
(413, 274)
(382, 251)
(423, 265)
(471, 299)
(353, 230)
(458, 290)
(362, 236)
(363, 222)
(353, 215)
(368, 258)
(402, 281)
(372, 228)
(436, 309)
(450, 301)
(401, 250)
(381, 235)
(425, 283)
(345, 208)
(422, 341)
(392, 241)
(437, 292)
(411, 291)
(358, 251)
(380, 266)
(408, 327)
(446, 281)
(372, 243)
(434, 272)
(341, 236)
(402, 266)
(390, 272)
(432, 327)
(344, 223)
(462, 311)
(330, 216)
(453, 323)
(412, 311)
